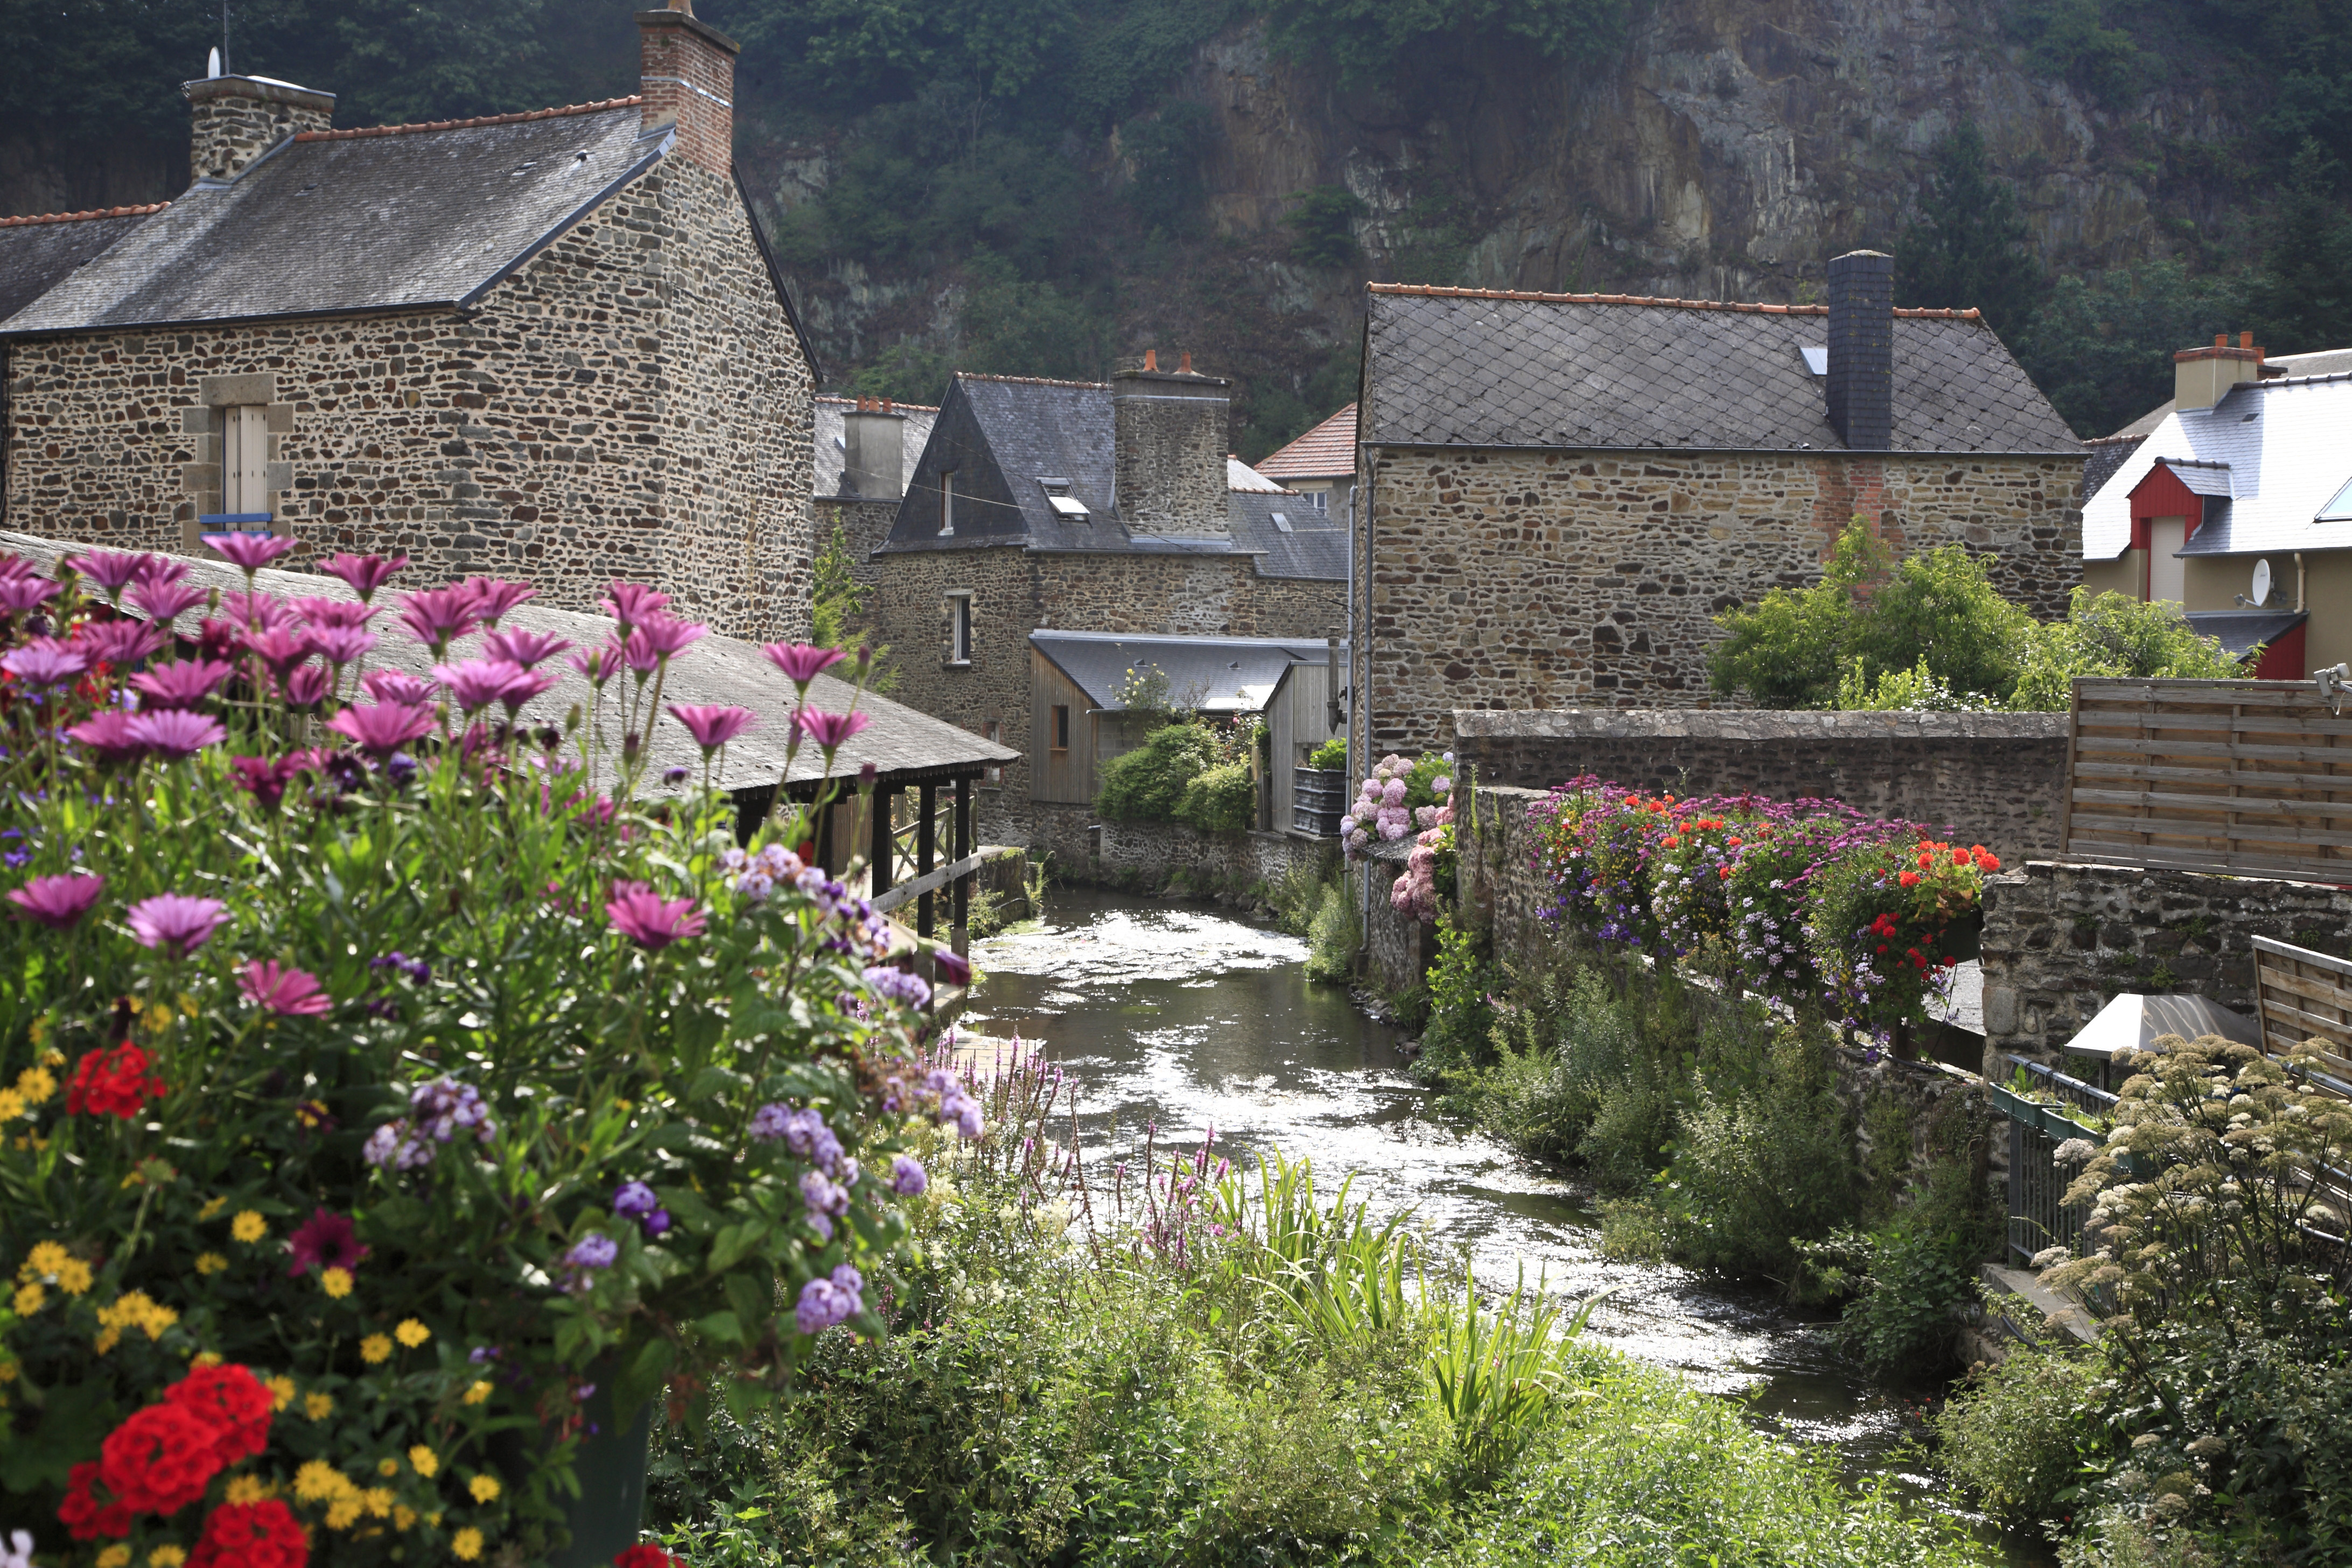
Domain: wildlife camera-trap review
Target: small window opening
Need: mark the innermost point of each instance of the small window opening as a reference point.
(960, 628)
(1061, 727)
(947, 503)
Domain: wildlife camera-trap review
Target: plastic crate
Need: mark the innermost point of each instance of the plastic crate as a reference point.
(1318, 799)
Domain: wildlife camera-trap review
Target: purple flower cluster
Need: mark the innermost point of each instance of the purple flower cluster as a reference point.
(592, 1252)
(439, 1108)
(417, 969)
(939, 1090)
(637, 1201)
(893, 985)
(758, 876)
(826, 1199)
(825, 1190)
(824, 1302)
(906, 1177)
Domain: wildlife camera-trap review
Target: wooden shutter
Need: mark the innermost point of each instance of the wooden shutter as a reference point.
(245, 467)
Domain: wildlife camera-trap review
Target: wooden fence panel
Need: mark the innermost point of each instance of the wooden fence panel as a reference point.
(2242, 777)
(2305, 1002)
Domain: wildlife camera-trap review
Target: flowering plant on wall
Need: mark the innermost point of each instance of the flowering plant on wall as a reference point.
(1401, 796)
(1887, 920)
(380, 1079)
(1594, 841)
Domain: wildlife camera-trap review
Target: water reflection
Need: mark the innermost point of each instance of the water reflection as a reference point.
(1187, 1019)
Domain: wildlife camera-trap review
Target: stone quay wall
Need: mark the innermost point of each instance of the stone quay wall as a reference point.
(2060, 941)
(1997, 779)
(631, 404)
(1549, 579)
(1086, 848)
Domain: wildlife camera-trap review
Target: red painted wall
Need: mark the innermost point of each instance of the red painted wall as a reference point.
(2282, 659)
(2162, 494)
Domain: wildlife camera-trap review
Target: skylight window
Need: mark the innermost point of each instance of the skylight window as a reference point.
(1281, 521)
(1058, 497)
(1817, 360)
(2340, 509)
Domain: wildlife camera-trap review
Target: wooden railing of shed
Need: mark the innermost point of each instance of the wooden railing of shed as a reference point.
(2305, 1000)
(2244, 777)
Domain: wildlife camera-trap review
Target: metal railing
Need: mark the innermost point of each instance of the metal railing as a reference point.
(2039, 1215)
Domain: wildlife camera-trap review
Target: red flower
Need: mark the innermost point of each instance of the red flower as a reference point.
(1909, 878)
(327, 1239)
(112, 1082)
(643, 1557)
(1723, 873)
(252, 1535)
(1987, 860)
(1882, 947)
(160, 1460)
(84, 1517)
(234, 1402)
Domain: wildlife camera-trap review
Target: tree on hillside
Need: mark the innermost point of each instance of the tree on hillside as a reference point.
(1969, 244)
(2100, 348)
(2302, 299)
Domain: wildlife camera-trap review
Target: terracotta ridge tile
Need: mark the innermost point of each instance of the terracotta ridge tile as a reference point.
(357, 132)
(79, 216)
(1443, 291)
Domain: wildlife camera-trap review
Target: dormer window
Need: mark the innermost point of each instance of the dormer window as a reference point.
(1068, 507)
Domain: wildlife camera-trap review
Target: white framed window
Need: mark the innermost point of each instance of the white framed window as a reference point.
(245, 460)
(947, 502)
(1320, 500)
(959, 625)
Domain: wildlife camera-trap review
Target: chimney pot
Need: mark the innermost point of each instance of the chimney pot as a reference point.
(687, 80)
(1185, 366)
(2201, 377)
(1152, 358)
(2245, 339)
(1859, 387)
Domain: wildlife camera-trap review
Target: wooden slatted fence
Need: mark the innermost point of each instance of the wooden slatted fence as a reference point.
(2242, 777)
(2305, 999)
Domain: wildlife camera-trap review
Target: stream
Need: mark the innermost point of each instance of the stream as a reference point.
(1195, 1018)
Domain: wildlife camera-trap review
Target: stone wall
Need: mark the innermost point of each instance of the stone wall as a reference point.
(2060, 941)
(1086, 848)
(1553, 579)
(633, 402)
(1497, 885)
(1997, 779)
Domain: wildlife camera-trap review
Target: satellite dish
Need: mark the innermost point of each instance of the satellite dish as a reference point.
(2262, 583)
(212, 66)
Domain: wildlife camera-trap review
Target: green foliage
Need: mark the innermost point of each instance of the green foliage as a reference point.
(1917, 690)
(2116, 635)
(1970, 245)
(1166, 149)
(1460, 1014)
(1221, 799)
(1369, 41)
(2101, 347)
(1334, 937)
(1788, 650)
(2015, 1433)
(2302, 298)
(1914, 1277)
(1322, 225)
(1192, 771)
(857, 52)
(1330, 756)
(2071, 39)
(837, 604)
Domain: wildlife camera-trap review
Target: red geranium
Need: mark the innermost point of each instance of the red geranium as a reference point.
(112, 1082)
(160, 1458)
(263, 1534)
(84, 1517)
(644, 1557)
(233, 1402)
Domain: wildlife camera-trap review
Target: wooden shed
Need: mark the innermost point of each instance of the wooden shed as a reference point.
(1304, 712)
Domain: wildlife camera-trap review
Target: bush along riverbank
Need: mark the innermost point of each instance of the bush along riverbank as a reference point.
(1180, 1363)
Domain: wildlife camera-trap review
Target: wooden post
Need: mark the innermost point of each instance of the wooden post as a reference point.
(928, 798)
(824, 837)
(881, 838)
(959, 938)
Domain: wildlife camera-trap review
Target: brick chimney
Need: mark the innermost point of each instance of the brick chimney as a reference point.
(1861, 381)
(237, 119)
(689, 82)
(1168, 448)
(2202, 377)
(873, 450)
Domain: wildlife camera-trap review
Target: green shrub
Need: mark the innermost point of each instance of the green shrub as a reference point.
(1759, 1166)
(1905, 1321)
(1330, 756)
(1221, 799)
(1333, 937)
(1633, 1231)
(1461, 1015)
(1147, 783)
(2115, 635)
(1323, 226)
(2016, 1433)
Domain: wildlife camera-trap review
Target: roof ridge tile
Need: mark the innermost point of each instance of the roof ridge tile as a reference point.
(1446, 291)
(357, 132)
(80, 216)
(1032, 381)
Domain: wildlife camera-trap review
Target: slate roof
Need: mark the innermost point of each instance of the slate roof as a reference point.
(1326, 452)
(2286, 458)
(37, 253)
(1474, 367)
(2241, 631)
(2108, 453)
(829, 453)
(2317, 362)
(1240, 476)
(1030, 429)
(899, 741)
(1231, 675)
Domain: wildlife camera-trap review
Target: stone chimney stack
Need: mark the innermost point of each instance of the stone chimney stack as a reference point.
(2202, 377)
(237, 119)
(1861, 350)
(1169, 441)
(689, 82)
(873, 451)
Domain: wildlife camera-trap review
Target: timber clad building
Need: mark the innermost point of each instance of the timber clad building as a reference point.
(549, 344)
(1557, 493)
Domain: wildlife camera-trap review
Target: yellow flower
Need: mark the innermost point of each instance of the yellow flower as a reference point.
(387, 1467)
(107, 1340)
(73, 1277)
(12, 1105)
(336, 1282)
(37, 1084)
(248, 1226)
(412, 1333)
(29, 1299)
(7, 1368)
(132, 1310)
(205, 1358)
(212, 1208)
(467, 1544)
(167, 1557)
(318, 1481)
(375, 1348)
(343, 1513)
(318, 1406)
(476, 1394)
(403, 1516)
(281, 1391)
(116, 1556)
(44, 1261)
(249, 1489)
(210, 1263)
(378, 1501)
(425, 1459)
(483, 1488)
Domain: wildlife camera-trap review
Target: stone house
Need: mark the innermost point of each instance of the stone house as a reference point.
(1556, 494)
(2236, 504)
(550, 344)
(1319, 465)
(1090, 507)
(863, 449)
